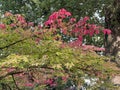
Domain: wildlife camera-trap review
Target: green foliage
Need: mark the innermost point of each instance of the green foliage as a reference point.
(36, 10)
(65, 61)
(20, 51)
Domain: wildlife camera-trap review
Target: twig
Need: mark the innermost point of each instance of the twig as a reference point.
(12, 44)
(15, 82)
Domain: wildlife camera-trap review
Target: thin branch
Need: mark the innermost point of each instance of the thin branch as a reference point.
(7, 46)
(15, 82)
(12, 43)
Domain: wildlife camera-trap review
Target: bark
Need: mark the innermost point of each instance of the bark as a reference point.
(112, 21)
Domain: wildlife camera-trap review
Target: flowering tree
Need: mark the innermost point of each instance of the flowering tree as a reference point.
(35, 9)
(50, 56)
(63, 24)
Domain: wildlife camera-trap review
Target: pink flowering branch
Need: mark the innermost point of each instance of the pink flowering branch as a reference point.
(72, 28)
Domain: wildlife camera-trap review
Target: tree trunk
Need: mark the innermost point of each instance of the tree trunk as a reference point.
(112, 21)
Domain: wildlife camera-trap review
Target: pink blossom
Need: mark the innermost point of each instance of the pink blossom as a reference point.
(20, 18)
(97, 31)
(107, 31)
(23, 21)
(91, 33)
(54, 16)
(63, 12)
(101, 49)
(72, 20)
(86, 18)
(86, 32)
(81, 22)
(2, 26)
(68, 13)
(49, 22)
(80, 38)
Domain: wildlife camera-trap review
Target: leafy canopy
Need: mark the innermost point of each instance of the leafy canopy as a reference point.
(25, 46)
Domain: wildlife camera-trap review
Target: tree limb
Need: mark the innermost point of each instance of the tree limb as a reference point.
(10, 73)
(12, 43)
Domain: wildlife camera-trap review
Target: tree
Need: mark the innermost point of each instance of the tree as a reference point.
(112, 21)
(37, 10)
(27, 49)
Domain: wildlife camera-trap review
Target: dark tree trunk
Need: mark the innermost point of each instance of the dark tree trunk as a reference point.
(112, 21)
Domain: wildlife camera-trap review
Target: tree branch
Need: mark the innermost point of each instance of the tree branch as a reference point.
(12, 43)
(10, 73)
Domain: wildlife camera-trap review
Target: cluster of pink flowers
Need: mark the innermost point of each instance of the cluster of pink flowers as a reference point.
(20, 21)
(57, 17)
(57, 21)
(79, 29)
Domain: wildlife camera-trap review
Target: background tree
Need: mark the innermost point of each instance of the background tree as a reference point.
(112, 21)
(29, 52)
(38, 10)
